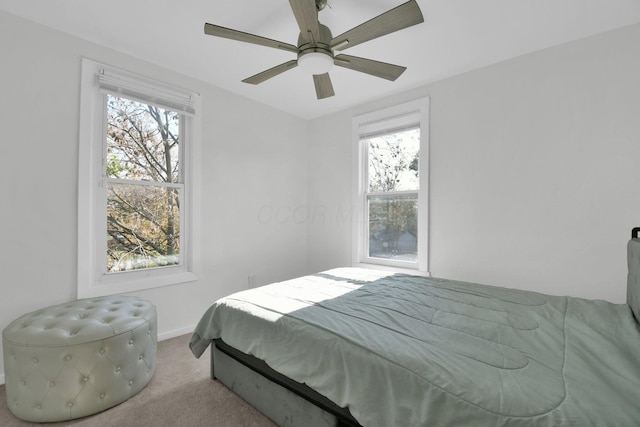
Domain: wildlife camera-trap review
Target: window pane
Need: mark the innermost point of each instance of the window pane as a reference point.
(393, 161)
(143, 227)
(393, 228)
(142, 141)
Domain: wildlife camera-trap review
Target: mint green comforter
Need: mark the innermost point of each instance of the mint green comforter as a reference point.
(402, 350)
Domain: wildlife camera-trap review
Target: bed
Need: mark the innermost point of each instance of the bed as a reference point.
(374, 348)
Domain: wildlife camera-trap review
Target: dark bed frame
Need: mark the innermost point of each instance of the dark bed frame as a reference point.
(342, 415)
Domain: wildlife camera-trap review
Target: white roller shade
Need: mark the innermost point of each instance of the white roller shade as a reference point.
(389, 125)
(144, 90)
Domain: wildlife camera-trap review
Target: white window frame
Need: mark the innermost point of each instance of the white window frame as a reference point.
(390, 119)
(96, 81)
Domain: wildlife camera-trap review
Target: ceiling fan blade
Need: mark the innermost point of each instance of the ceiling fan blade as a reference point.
(271, 72)
(228, 33)
(306, 15)
(324, 88)
(369, 66)
(401, 17)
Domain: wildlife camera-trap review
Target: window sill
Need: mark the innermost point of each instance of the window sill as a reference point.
(405, 270)
(124, 285)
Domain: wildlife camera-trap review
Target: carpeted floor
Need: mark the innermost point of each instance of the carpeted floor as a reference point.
(179, 394)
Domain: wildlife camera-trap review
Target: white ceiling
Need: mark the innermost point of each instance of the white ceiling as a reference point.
(457, 36)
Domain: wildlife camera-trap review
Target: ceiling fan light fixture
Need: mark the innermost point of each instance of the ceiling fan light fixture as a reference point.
(315, 62)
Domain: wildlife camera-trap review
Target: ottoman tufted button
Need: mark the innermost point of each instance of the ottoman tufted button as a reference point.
(60, 342)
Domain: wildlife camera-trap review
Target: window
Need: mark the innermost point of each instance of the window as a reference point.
(391, 186)
(137, 181)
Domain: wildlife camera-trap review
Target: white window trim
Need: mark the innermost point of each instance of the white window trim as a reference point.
(91, 280)
(380, 120)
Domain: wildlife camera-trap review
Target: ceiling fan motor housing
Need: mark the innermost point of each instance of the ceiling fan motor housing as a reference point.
(316, 55)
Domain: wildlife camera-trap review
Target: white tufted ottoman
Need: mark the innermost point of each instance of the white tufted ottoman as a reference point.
(72, 360)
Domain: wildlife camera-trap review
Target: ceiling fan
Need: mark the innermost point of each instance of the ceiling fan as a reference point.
(316, 45)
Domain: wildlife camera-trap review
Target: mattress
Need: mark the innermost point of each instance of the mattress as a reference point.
(403, 350)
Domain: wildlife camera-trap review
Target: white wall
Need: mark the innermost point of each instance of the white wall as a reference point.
(534, 170)
(253, 158)
(533, 175)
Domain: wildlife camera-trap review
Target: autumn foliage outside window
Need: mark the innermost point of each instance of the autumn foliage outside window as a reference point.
(392, 194)
(144, 185)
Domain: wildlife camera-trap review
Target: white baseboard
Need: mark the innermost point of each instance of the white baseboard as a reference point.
(161, 337)
(176, 333)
